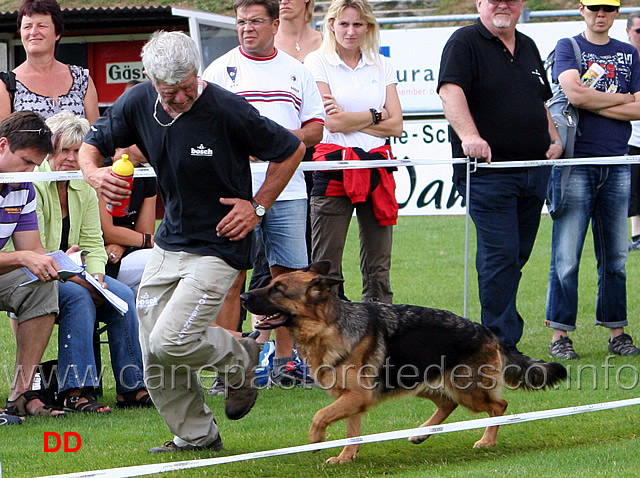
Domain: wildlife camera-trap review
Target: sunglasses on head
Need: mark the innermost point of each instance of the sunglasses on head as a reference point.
(606, 8)
(41, 132)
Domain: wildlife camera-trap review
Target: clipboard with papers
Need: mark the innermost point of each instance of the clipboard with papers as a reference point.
(73, 264)
(70, 265)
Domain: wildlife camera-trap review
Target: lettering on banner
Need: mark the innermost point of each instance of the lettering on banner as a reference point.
(415, 75)
(124, 72)
(426, 190)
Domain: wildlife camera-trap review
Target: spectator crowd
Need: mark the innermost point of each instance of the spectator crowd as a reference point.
(287, 93)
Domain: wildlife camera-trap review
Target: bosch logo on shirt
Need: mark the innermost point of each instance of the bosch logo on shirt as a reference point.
(201, 150)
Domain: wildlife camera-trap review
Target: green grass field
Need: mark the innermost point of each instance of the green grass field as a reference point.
(427, 270)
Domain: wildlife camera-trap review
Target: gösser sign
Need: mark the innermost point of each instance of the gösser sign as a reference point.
(124, 72)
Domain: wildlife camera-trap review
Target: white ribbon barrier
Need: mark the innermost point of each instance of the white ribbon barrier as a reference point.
(472, 164)
(141, 470)
(337, 165)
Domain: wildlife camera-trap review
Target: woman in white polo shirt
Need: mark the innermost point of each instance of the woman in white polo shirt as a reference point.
(358, 86)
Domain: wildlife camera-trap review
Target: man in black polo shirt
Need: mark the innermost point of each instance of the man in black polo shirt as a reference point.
(198, 137)
(493, 89)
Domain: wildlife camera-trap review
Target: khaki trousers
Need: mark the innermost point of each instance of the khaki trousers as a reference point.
(180, 294)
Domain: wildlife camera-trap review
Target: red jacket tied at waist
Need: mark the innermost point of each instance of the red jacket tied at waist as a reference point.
(357, 184)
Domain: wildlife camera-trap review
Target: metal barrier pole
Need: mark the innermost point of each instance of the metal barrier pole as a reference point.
(466, 240)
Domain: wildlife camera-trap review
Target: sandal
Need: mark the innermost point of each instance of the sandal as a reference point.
(19, 406)
(130, 400)
(71, 403)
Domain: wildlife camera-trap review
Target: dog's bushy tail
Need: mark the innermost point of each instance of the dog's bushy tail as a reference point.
(524, 372)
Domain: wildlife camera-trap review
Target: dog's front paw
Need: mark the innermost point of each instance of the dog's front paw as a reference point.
(344, 457)
(482, 443)
(317, 434)
(418, 439)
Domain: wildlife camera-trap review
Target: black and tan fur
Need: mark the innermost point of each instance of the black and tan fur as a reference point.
(337, 338)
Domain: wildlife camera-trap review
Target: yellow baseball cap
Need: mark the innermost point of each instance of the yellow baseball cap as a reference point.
(613, 3)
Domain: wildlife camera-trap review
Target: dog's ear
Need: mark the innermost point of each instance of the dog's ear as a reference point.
(329, 282)
(321, 267)
(320, 287)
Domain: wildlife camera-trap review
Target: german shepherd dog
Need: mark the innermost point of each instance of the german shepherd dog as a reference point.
(362, 353)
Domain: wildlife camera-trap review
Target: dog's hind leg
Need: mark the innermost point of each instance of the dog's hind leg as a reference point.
(349, 452)
(445, 407)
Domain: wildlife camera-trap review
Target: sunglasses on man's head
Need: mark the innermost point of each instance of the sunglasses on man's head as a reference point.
(606, 8)
(41, 132)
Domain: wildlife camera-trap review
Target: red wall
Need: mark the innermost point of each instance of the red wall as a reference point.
(124, 57)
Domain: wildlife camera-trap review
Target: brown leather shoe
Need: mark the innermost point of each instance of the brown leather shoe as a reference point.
(239, 400)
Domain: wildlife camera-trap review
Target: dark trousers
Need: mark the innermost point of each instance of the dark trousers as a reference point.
(505, 208)
(634, 201)
(330, 220)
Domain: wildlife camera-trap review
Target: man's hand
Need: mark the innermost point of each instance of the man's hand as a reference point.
(554, 151)
(112, 189)
(476, 147)
(456, 110)
(42, 266)
(239, 222)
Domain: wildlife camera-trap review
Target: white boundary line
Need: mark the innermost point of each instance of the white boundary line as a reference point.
(338, 165)
(141, 470)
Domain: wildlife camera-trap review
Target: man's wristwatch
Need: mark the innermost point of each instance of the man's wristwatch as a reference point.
(258, 208)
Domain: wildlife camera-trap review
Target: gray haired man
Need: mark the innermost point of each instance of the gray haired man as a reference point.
(198, 137)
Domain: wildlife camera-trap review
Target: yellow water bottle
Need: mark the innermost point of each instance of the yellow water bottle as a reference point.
(122, 169)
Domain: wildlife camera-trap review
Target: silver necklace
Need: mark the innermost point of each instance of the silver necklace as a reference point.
(155, 115)
(297, 46)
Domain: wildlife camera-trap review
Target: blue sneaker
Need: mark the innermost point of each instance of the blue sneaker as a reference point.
(302, 368)
(295, 374)
(265, 363)
(290, 377)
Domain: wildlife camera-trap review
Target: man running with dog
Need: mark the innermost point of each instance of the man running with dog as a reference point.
(198, 137)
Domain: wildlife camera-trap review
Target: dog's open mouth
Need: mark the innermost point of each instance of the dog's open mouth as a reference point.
(271, 321)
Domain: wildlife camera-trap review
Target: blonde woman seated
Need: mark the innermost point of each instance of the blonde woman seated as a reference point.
(68, 214)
